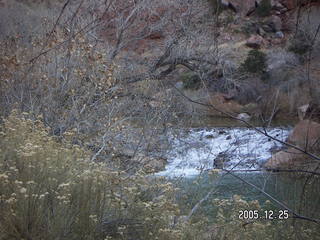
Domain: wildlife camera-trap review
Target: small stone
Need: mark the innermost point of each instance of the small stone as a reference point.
(222, 132)
(306, 134)
(221, 160)
(254, 41)
(225, 3)
(179, 85)
(261, 32)
(228, 137)
(279, 34)
(209, 136)
(244, 116)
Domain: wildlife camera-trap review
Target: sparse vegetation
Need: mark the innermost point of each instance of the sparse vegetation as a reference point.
(52, 190)
(264, 8)
(191, 81)
(217, 6)
(255, 62)
(88, 107)
(301, 43)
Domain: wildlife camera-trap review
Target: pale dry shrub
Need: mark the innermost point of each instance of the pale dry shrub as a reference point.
(51, 190)
(306, 37)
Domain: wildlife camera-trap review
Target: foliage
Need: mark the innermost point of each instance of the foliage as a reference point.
(217, 6)
(301, 43)
(191, 80)
(248, 28)
(255, 62)
(264, 8)
(51, 190)
(72, 82)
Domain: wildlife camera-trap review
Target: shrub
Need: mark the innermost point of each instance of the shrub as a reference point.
(191, 80)
(301, 43)
(51, 190)
(264, 8)
(217, 6)
(255, 62)
(249, 27)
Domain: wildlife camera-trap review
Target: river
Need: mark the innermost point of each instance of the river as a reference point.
(196, 152)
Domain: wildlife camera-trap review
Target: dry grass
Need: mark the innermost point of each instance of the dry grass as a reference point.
(51, 190)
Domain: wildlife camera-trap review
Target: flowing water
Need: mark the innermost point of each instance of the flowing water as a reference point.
(195, 152)
(198, 150)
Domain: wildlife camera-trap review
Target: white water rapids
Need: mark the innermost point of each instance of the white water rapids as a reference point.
(239, 149)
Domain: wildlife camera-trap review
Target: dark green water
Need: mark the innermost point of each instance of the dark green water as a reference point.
(300, 193)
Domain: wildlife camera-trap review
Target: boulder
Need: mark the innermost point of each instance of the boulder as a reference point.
(221, 160)
(244, 116)
(179, 85)
(313, 111)
(211, 135)
(279, 34)
(306, 134)
(286, 159)
(255, 41)
(222, 132)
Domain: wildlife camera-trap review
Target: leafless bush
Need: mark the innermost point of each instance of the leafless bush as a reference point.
(67, 75)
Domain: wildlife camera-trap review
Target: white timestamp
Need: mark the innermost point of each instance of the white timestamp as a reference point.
(266, 214)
